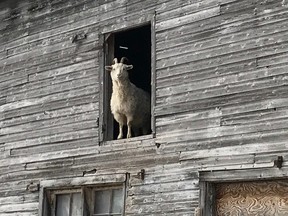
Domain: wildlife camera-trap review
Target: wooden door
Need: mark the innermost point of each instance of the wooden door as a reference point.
(262, 198)
(107, 118)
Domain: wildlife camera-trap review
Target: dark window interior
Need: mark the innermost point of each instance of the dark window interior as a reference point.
(135, 44)
(138, 42)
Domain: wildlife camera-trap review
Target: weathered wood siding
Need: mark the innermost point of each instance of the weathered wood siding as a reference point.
(221, 96)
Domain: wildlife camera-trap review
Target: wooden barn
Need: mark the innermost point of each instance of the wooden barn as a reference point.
(217, 75)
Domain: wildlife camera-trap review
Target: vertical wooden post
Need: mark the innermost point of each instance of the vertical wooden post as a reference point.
(153, 74)
(207, 198)
(106, 118)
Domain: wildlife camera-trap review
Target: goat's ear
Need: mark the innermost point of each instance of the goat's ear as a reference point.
(129, 67)
(108, 68)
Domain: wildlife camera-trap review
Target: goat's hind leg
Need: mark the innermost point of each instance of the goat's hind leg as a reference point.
(120, 135)
(129, 132)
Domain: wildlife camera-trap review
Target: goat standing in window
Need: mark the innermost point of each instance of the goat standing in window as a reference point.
(129, 105)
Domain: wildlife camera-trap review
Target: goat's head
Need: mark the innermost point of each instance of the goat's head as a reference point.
(119, 70)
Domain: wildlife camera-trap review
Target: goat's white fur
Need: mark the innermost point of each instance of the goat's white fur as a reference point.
(129, 105)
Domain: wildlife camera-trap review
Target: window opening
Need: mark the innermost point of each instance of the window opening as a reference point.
(135, 45)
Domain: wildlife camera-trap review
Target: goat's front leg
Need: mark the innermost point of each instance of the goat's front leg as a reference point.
(120, 136)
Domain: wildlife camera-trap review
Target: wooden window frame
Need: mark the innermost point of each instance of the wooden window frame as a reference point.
(208, 179)
(105, 58)
(50, 188)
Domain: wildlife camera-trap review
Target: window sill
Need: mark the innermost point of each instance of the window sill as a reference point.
(129, 140)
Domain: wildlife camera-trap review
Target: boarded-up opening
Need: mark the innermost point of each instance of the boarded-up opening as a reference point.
(252, 198)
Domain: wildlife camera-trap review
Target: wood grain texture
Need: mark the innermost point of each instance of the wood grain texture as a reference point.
(252, 198)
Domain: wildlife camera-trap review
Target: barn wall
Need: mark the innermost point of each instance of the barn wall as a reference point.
(221, 96)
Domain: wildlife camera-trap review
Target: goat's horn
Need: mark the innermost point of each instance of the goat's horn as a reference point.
(123, 59)
(115, 61)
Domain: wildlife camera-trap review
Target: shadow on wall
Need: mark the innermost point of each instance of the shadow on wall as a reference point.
(11, 4)
(11, 9)
(17, 11)
(15, 15)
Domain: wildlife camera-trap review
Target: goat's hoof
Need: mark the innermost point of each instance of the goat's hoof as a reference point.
(119, 137)
(129, 136)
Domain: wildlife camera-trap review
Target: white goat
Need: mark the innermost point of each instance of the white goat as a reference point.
(129, 105)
